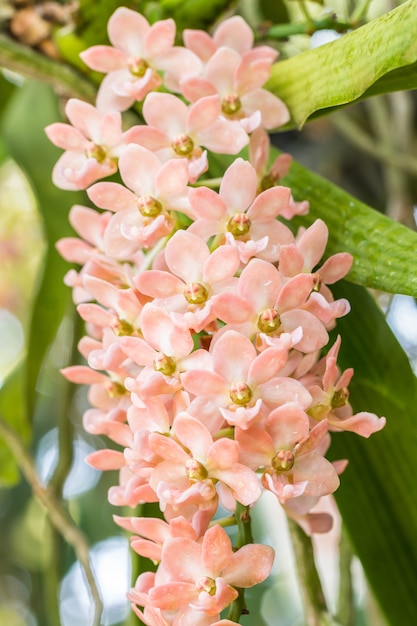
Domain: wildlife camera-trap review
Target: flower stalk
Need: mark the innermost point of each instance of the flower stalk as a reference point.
(57, 514)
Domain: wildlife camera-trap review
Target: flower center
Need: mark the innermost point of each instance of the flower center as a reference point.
(115, 389)
(94, 151)
(269, 321)
(206, 584)
(267, 182)
(183, 145)
(164, 364)
(195, 470)
(240, 393)
(231, 104)
(195, 293)
(317, 282)
(122, 328)
(283, 460)
(340, 398)
(149, 207)
(239, 224)
(318, 411)
(137, 67)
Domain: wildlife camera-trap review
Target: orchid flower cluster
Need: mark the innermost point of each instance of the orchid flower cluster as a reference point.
(206, 316)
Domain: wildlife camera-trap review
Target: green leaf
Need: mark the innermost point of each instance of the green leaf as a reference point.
(31, 108)
(403, 79)
(378, 494)
(341, 71)
(383, 250)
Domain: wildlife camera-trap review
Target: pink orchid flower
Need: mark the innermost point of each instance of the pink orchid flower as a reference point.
(89, 253)
(165, 351)
(330, 393)
(303, 255)
(265, 307)
(204, 575)
(241, 383)
(152, 616)
(92, 145)
(194, 279)
(186, 129)
(290, 454)
(195, 457)
(143, 211)
(240, 217)
(138, 54)
(238, 80)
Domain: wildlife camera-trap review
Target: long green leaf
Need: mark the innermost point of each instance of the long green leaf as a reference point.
(378, 495)
(31, 108)
(403, 79)
(383, 250)
(341, 71)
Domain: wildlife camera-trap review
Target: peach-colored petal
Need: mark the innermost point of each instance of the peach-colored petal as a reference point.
(65, 136)
(127, 29)
(160, 38)
(112, 196)
(249, 566)
(103, 58)
(238, 187)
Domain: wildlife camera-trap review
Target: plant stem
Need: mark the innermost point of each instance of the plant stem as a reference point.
(58, 515)
(213, 183)
(27, 62)
(243, 521)
(224, 521)
(282, 31)
(315, 607)
(345, 612)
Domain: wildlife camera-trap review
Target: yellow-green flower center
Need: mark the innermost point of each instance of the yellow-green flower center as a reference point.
(283, 460)
(137, 67)
(206, 584)
(164, 364)
(195, 470)
(231, 104)
(149, 207)
(240, 393)
(239, 224)
(195, 293)
(123, 328)
(269, 321)
(317, 282)
(183, 145)
(267, 182)
(94, 151)
(115, 389)
(318, 412)
(340, 398)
